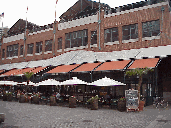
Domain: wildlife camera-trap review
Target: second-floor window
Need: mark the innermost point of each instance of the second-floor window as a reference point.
(111, 35)
(48, 45)
(76, 39)
(59, 43)
(21, 50)
(38, 47)
(93, 37)
(9, 51)
(3, 53)
(130, 32)
(15, 53)
(151, 28)
(30, 48)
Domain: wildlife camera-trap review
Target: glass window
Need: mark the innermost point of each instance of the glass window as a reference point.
(9, 51)
(111, 35)
(76, 39)
(93, 37)
(15, 47)
(59, 43)
(151, 28)
(67, 40)
(48, 45)
(3, 53)
(21, 49)
(30, 48)
(130, 32)
(38, 47)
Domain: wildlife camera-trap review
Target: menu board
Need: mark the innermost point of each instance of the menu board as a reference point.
(131, 99)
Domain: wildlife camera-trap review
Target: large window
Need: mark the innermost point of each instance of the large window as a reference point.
(130, 32)
(93, 37)
(111, 35)
(151, 28)
(3, 53)
(48, 45)
(30, 48)
(59, 43)
(76, 39)
(9, 51)
(21, 50)
(15, 53)
(38, 47)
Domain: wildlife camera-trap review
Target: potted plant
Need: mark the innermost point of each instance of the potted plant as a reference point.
(139, 72)
(22, 98)
(35, 99)
(121, 104)
(9, 96)
(94, 102)
(72, 102)
(52, 101)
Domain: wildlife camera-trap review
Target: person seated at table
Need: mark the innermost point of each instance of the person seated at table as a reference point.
(57, 96)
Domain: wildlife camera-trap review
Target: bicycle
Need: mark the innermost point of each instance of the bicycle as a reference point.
(159, 102)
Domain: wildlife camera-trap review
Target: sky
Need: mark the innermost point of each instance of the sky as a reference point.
(42, 12)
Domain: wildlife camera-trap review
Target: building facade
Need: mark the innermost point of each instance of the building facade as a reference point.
(96, 28)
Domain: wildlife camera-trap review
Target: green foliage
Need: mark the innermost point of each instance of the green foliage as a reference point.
(28, 75)
(138, 71)
(122, 99)
(93, 98)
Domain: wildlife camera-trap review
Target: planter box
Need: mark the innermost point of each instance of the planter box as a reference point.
(4, 97)
(52, 101)
(121, 106)
(35, 100)
(94, 104)
(9, 97)
(141, 105)
(22, 99)
(72, 102)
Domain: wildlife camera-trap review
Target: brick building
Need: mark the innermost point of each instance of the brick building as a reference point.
(139, 31)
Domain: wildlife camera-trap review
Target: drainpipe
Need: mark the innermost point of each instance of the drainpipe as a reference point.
(99, 25)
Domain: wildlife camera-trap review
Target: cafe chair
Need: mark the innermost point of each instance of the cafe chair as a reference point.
(113, 103)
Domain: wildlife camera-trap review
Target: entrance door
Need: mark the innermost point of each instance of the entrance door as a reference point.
(149, 98)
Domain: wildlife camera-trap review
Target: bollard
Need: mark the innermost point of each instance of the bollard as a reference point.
(2, 117)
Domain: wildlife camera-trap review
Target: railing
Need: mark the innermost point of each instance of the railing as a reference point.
(78, 22)
(13, 38)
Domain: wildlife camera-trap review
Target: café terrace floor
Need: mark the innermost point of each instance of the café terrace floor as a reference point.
(26, 115)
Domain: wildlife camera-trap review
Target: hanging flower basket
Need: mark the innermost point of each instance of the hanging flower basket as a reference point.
(72, 102)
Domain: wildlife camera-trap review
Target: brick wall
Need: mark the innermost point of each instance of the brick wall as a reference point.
(108, 22)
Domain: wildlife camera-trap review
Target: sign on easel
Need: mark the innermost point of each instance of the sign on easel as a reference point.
(131, 100)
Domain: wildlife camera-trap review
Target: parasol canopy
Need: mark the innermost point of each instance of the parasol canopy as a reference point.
(73, 81)
(49, 82)
(106, 82)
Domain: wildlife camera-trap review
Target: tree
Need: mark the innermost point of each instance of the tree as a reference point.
(138, 72)
(28, 75)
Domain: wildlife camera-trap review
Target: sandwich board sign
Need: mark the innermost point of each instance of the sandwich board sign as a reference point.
(131, 100)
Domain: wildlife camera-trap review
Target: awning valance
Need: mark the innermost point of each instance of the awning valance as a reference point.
(113, 65)
(142, 63)
(86, 67)
(63, 68)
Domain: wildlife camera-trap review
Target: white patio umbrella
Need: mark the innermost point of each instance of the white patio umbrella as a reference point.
(73, 81)
(8, 83)
(49, 82)
(106, 82)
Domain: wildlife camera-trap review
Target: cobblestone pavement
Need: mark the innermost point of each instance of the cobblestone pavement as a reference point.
(25, 115)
